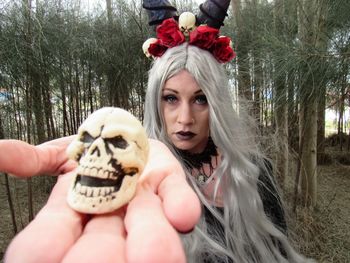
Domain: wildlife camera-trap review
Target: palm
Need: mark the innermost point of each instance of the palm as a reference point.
(143, 231)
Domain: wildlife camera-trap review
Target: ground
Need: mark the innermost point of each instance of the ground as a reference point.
(323, 234)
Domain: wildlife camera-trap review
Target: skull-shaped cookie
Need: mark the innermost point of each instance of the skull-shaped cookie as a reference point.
(112, 149)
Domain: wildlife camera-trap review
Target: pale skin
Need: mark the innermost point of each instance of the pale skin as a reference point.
(145, 230)
(186, 112)
(186, 116)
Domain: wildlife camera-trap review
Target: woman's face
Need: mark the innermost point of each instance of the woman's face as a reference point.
(186, 112)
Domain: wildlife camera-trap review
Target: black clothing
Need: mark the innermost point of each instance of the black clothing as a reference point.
(272, 202)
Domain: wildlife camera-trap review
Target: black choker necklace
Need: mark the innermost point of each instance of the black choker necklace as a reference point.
(196, 160)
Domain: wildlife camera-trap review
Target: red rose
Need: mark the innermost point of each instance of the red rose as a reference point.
(169, 34)
(222, 50)
(203, 36)
(157, 49)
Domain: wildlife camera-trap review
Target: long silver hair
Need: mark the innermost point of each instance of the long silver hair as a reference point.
(248, 234)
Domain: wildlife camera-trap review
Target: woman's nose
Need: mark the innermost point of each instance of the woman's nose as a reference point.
(185, 114)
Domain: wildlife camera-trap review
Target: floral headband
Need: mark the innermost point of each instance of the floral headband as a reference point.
(171, 33)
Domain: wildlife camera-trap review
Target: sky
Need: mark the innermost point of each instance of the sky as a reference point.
(93, 3)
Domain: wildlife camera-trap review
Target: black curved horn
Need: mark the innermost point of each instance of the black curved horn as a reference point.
(213, 13)
(159, 10)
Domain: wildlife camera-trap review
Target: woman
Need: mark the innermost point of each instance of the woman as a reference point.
(189, 108)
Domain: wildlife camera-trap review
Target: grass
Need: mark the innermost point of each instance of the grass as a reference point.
(324, 232)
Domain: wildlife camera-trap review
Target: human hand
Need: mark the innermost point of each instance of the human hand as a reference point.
(143, 231)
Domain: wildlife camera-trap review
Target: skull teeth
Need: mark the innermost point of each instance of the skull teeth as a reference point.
(87, 191)
(104, 184)
(101, 174)
(77, 188)
(83, 189)
(97, 172)
(93, 172)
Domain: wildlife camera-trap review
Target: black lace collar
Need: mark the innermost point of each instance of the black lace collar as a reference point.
(196, 160)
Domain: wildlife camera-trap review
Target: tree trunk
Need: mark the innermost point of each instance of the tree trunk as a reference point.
(308, 130)
(348, 147)
(10, 202)
(112, 76)
(308, 30)
(342, 105)
(27, 7)
(38, 106)
(257, 70)
(72, 114)
(321, 44)
(2, 135)
(280, 105)
(77, 95)
(62, 86)
(7, 186)
(242, 59)
(321, 155)
(90, 95)
(281, 120)
(292, 114)
(46, 94)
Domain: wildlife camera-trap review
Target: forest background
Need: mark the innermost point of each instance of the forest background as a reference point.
(62, 59)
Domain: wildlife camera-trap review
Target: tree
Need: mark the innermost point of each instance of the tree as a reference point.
(311, 29)
(242, 49)
(281, 114)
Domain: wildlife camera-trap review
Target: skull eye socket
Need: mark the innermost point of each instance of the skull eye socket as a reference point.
(87, 138)
(118, 142)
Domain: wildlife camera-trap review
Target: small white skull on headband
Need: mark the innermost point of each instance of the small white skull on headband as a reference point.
(112, 149)
(187, 23)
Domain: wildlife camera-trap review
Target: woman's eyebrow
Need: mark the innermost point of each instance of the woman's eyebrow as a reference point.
(198, 91)
(175, 91)
(169, 89)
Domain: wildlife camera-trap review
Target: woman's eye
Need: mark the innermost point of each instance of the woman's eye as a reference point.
(201, 99)
(170, 98)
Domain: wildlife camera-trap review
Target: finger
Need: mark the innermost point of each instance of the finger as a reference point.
(150, 236)
(24, 160)
(103, 240)
(180, 203)
(53, 158)
(62, 142)
(18, 157)
(165, 176)
(52, 232)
